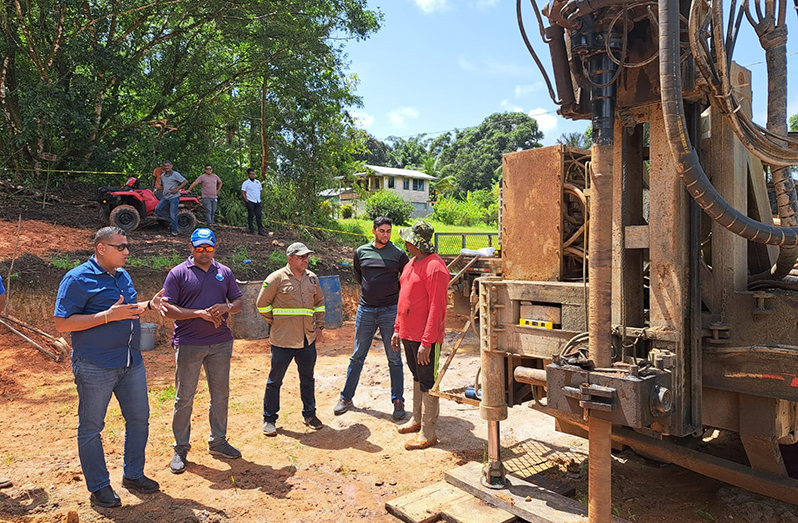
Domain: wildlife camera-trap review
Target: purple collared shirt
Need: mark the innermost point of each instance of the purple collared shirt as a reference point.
(190, 287)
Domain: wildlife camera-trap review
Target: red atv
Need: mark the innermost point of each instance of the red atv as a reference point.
(126, 206)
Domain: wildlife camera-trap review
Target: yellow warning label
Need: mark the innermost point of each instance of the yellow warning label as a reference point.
(536, 323)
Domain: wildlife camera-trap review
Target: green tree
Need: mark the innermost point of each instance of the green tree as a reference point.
(390, 204)
(408, 153)
(580, 140)
(109, 85)
(475, 153)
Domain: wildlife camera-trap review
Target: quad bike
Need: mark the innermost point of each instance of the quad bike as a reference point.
(125, 207)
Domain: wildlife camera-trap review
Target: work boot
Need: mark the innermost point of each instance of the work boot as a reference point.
(105, 497)
(398, 410)
(414, 425)
(426, 437)
(342, 406)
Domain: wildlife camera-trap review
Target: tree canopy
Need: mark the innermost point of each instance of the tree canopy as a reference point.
(110, 85)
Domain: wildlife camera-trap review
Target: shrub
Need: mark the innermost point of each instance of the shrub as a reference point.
(457, 212)
(346, 211)
(390, 204)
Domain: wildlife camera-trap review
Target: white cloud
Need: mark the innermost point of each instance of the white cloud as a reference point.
(400, 115)
(362, 118)
(523, 90)
(511, 107)
(431, 6)
(546, 122)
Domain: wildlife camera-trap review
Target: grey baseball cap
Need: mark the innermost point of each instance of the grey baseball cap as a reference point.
(297, 249)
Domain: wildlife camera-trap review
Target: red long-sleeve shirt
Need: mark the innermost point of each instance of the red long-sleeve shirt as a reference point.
(421, 311)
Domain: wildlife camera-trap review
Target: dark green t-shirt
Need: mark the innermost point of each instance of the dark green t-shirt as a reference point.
(378, 271)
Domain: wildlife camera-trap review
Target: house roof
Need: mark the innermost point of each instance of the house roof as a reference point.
(391, 171)
(330, 193)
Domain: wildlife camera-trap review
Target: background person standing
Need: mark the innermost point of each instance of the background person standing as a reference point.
(292, 302)
(97, 305)
(251, 192)
(202, 293)
(211, 185)
(172, 182)
(420, 325)
(377, 266)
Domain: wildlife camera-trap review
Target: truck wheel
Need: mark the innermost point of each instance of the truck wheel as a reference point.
(186, 221)
(126, 217)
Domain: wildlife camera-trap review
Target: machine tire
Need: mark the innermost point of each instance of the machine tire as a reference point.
(186, 221)
(126, 217)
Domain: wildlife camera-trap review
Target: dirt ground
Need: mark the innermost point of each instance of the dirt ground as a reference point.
(343, 472)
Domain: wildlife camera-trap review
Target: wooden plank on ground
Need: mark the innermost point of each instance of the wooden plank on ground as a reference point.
(444, 501)
(544, 506)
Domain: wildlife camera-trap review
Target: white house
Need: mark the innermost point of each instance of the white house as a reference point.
(412, 185)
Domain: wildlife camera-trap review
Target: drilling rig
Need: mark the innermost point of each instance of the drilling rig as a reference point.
(649, 296)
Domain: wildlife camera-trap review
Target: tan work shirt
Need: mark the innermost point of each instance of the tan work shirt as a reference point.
(294, 307)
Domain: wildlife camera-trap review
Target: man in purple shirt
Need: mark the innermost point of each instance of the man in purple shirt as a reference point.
(201, 293)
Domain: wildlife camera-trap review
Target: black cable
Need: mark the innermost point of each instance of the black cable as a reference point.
(534, 55)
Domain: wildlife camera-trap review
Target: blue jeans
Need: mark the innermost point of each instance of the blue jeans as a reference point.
(216, 360)
(210, 205)
(305, 363)
(95, 386)
(173, 204)
(367, 320)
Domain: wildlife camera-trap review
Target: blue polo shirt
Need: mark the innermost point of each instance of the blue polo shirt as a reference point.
(190, 287)
(89, 289)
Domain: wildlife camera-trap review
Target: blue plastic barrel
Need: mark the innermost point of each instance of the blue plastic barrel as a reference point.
(334, 314)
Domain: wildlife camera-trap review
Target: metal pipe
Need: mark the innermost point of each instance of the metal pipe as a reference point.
(530, 376)
(602, 70)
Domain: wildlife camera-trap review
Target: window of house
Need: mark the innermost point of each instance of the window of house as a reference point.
(375, 184)
(391, 182)
(406, 184)
(418, 185)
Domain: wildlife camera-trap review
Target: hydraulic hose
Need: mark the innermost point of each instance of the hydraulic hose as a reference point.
(685, 156)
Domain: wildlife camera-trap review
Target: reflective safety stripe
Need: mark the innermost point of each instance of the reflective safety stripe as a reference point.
(319, 309)
(293, 312)
(264, 310)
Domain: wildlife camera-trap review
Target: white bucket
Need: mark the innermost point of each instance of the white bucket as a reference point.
(149, 332)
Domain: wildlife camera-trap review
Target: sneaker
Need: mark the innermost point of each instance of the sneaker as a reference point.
(342, 406)
(174, 234)
(269, 429)
(178, 464)
(225, 450)
(398, 409)
(262, 233)
(5, 482)
(142, 484)
(313, 422)
(105, 497)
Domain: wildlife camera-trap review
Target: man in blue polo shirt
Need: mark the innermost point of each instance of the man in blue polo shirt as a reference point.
(97, 304)
(201, 294)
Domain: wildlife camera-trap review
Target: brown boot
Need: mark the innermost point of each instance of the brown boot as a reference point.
(429, 418)
(414, 425)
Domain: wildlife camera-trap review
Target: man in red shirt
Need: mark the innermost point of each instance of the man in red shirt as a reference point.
(420, 325)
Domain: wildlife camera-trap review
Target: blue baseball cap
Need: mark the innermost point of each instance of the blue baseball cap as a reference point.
(203, 237)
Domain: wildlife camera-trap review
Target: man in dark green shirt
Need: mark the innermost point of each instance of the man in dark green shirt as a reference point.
(377, 266)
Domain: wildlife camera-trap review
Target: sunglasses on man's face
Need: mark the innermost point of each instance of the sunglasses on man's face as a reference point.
(120, 247)
(204, 248)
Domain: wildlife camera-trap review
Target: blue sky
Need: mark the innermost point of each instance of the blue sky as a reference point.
(437, 65)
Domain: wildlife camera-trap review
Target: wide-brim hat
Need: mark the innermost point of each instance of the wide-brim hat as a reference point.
(419, 234)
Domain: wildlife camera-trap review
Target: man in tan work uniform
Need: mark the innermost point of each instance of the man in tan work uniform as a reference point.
(292, 302)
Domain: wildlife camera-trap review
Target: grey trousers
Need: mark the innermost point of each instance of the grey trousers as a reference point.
(189, 359)
(210, 209)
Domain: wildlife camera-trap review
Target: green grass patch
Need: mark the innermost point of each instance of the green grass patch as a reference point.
(63, 261)
(165, 395)
(156, 262)
(239, 254)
